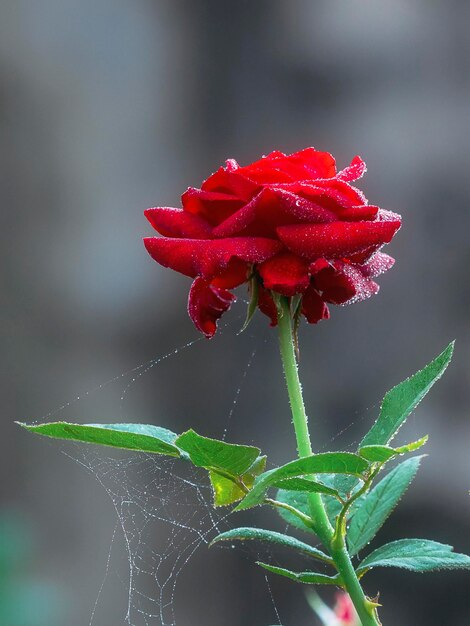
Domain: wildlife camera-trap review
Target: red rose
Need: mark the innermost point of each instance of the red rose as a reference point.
(291, 221)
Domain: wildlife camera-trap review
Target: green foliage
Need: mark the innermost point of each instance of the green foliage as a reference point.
(416, 555)
(305, 484)
(259, 534)
(382, 454)
(379, 454)
(373, 509)
(226, 491)
(400, 401)
(298, 500)
(327, 462)
(232, 468)
(413, 446)
(140, 437)
(212, 454)
(308, 578)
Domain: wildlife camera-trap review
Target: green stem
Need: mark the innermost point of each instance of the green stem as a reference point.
(335, 541)
(364, 607)
(294, 387)
(299, 416)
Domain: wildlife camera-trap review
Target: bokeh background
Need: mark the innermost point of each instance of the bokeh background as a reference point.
(110, 106)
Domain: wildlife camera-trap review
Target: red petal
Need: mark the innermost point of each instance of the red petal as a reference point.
(342, 283)
(285, 273)
(354, 171)
(229, 180)
(240, 220)
(336, 287)
(388, 216)
(339, 193)
(364, 286)
(317, 164)
(178, 223)
(266, 305)
(235, 274)
(209, 257)
(207, 304)
(210, 205)
(271, 208)
(376, 265)
(358, 213)
(313, 306)
(308, 164)
(338, 239)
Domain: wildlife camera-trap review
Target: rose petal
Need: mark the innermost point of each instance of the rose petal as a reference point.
(235, 274)
(336, 286)
(354, 171)
(338, 239)
(388, 216)
(342, 283)
(209, 257)
(313, 306)
(377, 264)
(240, 220)
(364, 286)
(207, 304)
(337, 193)
(358, 213)
(285, 273)
(177, 223)
(271, 208)
(210, 205)
(307, 164)
(317, 164)
(229, 180)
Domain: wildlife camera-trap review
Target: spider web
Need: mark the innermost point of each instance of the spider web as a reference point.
(164, 511)
(163, 508)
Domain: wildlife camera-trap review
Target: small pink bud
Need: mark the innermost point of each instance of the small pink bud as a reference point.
(344, 610)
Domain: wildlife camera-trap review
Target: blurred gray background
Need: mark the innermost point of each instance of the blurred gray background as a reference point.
(110, 106)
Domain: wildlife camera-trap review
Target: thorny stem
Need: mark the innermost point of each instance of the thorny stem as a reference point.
(341, 519)
(333, 539)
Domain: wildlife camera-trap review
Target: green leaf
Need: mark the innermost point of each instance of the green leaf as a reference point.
(413, 446)
(379, 503)
(417, 555)
(382, 454)
(378, 454)
(253, 288)
(309, 578)
(400, 401)
(141, 437)
(327, 462)
(226, 491)
(226, 458)
(304, 484)
(346, 486)
(259, 534)
(298, 500)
